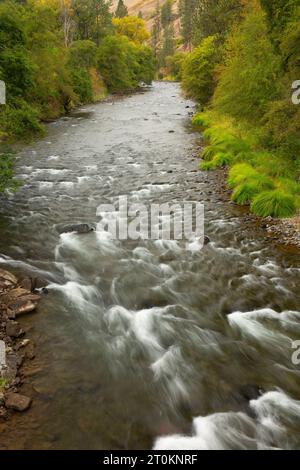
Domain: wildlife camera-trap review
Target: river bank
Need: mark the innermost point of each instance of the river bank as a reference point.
(283, 232)
(17, 298)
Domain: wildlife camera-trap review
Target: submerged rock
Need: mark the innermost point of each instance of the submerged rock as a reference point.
(7, 279)
(18, 402)
(19, 301)
(206, 240)
(78, 228)
(13, 329)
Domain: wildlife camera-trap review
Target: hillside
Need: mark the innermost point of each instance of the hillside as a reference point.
(147, 7)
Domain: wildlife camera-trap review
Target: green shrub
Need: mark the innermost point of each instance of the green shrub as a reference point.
(240, 173)
(245, 192)
(249, 75)
(275, 204)
(20, 120)
(201, 119)
(175, 65)
(7, 180)
(83, 54)
(82, 84)
(288, 185)
(124, 64)
(207, 166)
(198, 71)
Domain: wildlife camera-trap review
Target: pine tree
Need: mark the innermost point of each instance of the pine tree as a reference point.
(156, 31)
(121, 10)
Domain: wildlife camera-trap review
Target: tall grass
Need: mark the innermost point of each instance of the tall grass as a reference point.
(262, 179)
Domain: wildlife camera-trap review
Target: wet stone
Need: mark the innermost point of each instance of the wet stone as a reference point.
(17, 402)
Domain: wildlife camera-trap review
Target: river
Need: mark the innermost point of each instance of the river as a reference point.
(145, 344)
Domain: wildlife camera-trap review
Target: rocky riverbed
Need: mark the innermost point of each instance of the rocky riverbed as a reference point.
(17, 298)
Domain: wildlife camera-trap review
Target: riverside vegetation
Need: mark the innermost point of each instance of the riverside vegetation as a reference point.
(237, 58)
(57, 54)
(245, 57)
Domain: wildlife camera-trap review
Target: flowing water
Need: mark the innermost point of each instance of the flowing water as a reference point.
(146, 345)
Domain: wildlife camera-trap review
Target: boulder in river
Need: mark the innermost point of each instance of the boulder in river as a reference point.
(18, 402)
(206, 240)
(7, 280)
(19, 301)
(13, 329)
(78, 228)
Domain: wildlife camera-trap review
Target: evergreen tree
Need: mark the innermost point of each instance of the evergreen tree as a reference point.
(121, 10)
(166, 13)
(156, 31)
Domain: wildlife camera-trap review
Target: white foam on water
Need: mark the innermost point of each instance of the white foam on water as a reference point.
(91, 168)
(222, 223)
(83, 179)
(44, 185)
(82, 296)
(172, 245)
(268, 268)
(276, 412)
(166, 269)
(221, 431)
(26, 168)
(27, 267)
(195, 245)
(53, 157)
(226, 250)
(70, 240)
(143, 328)
(141, 194)
(66, 184)
(143, 254)
(253, 326)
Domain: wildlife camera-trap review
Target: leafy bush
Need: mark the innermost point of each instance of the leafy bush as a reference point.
(124, 64)
(240, 173)
(275, 204)
(83, 54)
(7, 180)
(198, 79)
(201, 119)
(219, 160)
(249, 76)
(174, 65)
(20, 119)
(133, 28)
(82, 85)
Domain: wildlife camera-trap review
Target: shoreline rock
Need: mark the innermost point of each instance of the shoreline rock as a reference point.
(284, 232)
(16, 298)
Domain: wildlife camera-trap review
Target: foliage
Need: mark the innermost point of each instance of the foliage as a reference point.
(132, 27)
(174, 65)
(20, 119)
(123, 64)
(83, 54)
(246, 95)
(274, 203)
(82, 85)
(198, 71)
(53, 54)
(252, 126)
(7, 181)
(121, 10)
